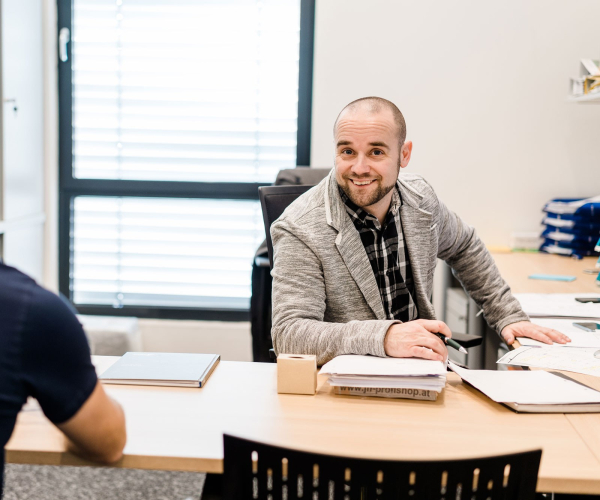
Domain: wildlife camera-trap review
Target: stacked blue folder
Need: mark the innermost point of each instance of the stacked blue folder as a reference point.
(572, 227)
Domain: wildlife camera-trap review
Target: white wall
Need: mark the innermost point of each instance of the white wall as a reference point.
(483, 88)
(231, 340)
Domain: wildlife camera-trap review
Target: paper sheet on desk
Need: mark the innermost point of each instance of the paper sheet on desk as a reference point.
(556, 305)
(527, 387)
(579, 338)
(576, 359)
(381, 367)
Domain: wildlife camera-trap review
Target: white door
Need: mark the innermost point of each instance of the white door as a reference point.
(22, 159)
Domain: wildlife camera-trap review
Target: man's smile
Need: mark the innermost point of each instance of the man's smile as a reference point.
(357, 182)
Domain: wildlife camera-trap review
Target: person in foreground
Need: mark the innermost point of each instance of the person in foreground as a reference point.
(354, 257)
(44, 354)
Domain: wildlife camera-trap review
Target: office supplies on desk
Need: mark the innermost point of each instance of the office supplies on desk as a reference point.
(558, 305)
(578, 337)
(451, 343)
(587, 327)
(572, 226)
(161, 368)
(296, 374)
(532, 391)
(552, 277)
(409, 378)
(576, 359)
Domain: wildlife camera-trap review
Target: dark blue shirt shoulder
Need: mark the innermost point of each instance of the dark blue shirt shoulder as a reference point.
(43, 353)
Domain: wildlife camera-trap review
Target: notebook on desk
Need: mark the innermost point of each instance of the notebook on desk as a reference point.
(161, 368)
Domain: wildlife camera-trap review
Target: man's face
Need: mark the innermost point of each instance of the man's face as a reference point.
(367, 158)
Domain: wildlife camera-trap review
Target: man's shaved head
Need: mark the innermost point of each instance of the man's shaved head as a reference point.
(375, 105)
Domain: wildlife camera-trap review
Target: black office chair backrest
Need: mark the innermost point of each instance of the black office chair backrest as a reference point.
(274, 200)
(259, 471)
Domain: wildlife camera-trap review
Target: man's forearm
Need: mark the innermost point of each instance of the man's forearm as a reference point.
(327, 340)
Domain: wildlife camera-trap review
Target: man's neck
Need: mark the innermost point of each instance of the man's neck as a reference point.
(381, 208)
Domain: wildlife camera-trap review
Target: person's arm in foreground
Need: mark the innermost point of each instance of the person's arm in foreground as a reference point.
(97, 430)
(58, 372)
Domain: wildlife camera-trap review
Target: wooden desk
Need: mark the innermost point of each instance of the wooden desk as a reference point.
(181, 429)
(516, 267)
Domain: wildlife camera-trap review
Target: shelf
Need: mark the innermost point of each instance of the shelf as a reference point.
(588, 99)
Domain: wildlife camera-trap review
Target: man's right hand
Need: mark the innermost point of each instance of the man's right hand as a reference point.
(414, 339)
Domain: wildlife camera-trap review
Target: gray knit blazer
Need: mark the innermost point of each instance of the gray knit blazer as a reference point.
(325, 297)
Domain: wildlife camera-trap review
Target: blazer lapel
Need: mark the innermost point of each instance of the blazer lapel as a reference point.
(416, 226)
(351, 248)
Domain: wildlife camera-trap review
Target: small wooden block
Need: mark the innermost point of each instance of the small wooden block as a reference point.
(296, 374)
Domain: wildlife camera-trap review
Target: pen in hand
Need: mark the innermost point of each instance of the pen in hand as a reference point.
(450, 342)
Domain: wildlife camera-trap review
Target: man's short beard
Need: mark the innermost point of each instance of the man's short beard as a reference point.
(380, 193)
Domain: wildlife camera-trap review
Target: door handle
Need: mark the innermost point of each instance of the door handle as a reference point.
(63, 39)
(12, 101)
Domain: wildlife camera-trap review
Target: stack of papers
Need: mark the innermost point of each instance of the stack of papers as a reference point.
(577, 360)
(580, 355)
(410, 378)
(532, 391)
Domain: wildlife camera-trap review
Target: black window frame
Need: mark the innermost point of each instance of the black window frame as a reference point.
(71, 187)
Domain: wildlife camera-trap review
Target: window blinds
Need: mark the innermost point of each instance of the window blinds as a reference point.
(177, 90)
(164, 252)
(185, 90)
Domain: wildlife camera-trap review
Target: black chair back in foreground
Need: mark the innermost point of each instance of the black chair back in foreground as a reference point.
(274, 200)
(258, 471)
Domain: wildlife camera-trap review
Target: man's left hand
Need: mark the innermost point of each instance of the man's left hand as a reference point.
(528, 329)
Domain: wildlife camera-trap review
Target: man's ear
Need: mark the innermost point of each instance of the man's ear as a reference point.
(405, 153)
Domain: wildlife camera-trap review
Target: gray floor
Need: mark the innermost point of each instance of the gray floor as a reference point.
(32, 482)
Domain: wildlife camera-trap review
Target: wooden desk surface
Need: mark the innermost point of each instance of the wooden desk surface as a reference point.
(516, 267)
(181, 429)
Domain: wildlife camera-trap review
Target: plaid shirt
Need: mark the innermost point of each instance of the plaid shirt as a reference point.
(388, 256)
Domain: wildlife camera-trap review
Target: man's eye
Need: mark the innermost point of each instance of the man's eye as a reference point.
(377, 152)
(346, 151)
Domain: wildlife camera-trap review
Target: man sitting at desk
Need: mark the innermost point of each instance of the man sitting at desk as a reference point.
(354, 257)
(44, 354)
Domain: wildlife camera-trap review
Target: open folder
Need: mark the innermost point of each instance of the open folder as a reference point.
(532, 391)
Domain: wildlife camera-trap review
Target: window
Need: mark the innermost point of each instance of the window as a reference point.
(172, 113)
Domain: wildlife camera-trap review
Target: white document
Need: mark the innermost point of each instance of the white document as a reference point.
(577, 360)
(556, 305)
(527, 387)
(579, 337)
(352, 364)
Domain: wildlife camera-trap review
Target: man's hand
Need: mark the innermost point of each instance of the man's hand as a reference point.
(528, 329)
(414, 339)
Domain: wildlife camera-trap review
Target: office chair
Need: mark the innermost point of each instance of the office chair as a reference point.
(258, 471)
(260, 302)
(274, 200)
